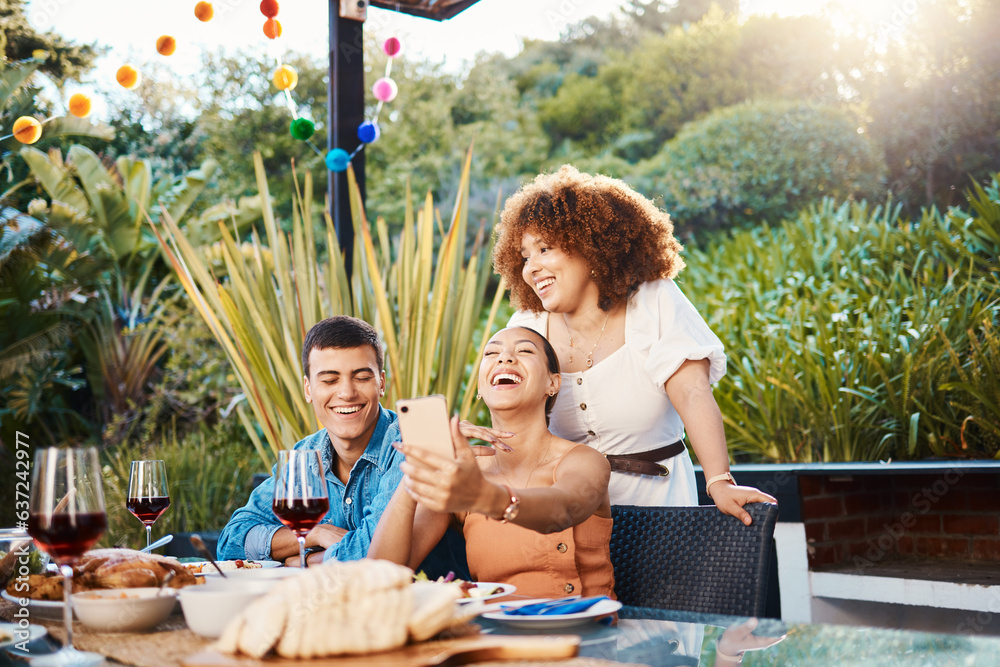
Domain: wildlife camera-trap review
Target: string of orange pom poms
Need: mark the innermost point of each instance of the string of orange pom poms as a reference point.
(284, 78)
(28, 129)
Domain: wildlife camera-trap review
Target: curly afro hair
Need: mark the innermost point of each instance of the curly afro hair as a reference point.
(622, 236)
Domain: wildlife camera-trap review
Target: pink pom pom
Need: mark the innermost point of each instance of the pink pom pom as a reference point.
(392, 47)
(385, 89)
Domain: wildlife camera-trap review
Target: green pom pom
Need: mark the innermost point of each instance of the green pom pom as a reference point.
(302, 128)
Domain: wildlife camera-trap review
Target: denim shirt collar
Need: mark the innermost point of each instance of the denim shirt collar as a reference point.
(378, 451)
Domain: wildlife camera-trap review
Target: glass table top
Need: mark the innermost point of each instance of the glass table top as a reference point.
(663, 638)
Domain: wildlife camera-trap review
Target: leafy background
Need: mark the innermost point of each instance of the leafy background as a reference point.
(836, 195)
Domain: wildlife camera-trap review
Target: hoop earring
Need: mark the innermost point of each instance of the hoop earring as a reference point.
(479, 397)
(552, 392)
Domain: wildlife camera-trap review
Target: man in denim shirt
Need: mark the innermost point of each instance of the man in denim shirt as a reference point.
(344, 379)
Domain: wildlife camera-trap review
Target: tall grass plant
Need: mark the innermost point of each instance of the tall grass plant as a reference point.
(423, 291)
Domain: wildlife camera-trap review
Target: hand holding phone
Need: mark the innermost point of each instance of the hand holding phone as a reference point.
(423, 423)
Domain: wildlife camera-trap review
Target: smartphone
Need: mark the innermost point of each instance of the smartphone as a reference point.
(424, 423)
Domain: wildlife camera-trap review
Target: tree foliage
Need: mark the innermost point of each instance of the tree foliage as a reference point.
(934, 99)
(762, 161)
(19, 41)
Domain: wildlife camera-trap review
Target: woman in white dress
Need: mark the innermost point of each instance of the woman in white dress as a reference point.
(590, 264)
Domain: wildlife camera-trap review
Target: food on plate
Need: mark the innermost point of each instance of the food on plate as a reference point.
(106, 568)
(9, 561)
(37, 587)
(224, 565)
(470, 589)
(341, 608)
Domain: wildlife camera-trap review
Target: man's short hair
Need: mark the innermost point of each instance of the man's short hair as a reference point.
(341, 332)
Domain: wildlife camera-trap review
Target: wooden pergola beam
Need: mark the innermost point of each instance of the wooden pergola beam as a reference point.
(436, 10)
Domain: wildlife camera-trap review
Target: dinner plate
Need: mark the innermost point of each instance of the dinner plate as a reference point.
(208, 569)
(602, 608)
(34, 632)
(48, 610)
(503, 589)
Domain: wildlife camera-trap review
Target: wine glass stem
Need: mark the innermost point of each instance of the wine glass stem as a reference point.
(302, 549)
(67, 573)
(149, 533)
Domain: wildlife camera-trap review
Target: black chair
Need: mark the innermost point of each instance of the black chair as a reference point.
(692, 558)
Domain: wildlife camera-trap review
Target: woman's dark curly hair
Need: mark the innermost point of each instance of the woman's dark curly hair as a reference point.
(622, 236)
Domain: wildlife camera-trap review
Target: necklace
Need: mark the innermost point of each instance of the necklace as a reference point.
(590, 355)
(532, 472)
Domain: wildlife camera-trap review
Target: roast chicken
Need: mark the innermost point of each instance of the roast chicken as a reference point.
(106, 568)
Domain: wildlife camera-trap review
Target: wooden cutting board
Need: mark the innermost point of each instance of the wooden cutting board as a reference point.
(461, 651)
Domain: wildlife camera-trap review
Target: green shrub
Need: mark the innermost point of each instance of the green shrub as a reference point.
(761, 162)
(209, 475)
(854, 334)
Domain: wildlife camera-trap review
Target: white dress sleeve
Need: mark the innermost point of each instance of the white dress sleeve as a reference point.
(666, 327)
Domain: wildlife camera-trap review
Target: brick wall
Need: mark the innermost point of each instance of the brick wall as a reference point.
(859, 520)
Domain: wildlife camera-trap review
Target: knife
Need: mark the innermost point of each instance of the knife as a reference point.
(157, 544)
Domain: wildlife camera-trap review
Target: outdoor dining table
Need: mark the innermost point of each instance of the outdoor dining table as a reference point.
(641, 636)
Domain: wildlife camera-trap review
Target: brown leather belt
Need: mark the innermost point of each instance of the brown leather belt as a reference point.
(645, 463)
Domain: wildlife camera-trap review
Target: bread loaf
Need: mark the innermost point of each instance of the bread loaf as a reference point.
(354, 607)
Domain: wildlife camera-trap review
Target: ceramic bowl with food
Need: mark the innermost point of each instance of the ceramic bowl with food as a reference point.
(124, 609)
(209, 608)
(17, 551)
(270, 574)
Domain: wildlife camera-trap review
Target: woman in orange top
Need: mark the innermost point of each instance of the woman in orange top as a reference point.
(537, 516)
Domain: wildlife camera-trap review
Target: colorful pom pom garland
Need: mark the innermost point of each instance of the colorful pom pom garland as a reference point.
(28, 130)
(384, 90)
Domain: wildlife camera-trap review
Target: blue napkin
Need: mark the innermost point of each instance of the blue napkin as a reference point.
(553, 607)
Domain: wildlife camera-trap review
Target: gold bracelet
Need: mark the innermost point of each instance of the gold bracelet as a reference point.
(512, 508)
(718, 478)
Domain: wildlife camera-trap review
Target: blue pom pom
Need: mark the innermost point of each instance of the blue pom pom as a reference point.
(337, 160)
(368, 132)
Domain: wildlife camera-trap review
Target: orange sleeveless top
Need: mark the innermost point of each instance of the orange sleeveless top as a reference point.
(575, 561)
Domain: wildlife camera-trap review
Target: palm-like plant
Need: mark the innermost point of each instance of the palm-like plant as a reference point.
(426, 304)
(17, 98)
(83, 276)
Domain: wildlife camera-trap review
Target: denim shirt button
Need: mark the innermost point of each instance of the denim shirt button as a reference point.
(347, 501)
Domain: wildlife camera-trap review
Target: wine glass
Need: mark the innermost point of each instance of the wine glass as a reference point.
(300, 498)
(65, 518)
(147, 493)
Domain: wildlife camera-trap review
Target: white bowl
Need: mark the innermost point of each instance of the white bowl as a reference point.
(209, 608)
(124, 609)
(240, 586)
(263, 574)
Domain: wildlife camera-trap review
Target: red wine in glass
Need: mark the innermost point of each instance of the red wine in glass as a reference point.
(65, 518)
(300, 497)
(147, 493)
(301, 514)
(148, 510)
(66, 536)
